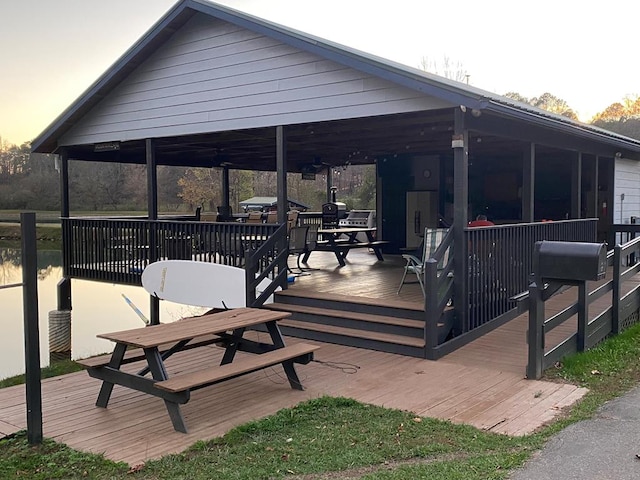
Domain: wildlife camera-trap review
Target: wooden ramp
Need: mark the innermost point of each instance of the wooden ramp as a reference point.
(135, 427)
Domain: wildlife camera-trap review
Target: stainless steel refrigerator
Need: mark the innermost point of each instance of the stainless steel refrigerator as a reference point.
(422, 211)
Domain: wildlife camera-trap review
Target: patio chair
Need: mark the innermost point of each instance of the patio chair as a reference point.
(298, 246)
(272, 217)
(292, 219)
(254, 217)
(430, 242)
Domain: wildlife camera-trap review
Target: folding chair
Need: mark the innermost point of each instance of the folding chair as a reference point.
(430, 242)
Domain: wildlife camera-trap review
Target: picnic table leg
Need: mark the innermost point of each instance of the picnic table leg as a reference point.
(232, 347)
(156, 366)
(289, 369)
(376, 250)
(107, 387)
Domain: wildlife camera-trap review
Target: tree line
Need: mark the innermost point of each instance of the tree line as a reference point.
(31, 181)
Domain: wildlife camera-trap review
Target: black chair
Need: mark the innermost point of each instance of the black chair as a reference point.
(330, 215)
(224, 213)
(298, 246)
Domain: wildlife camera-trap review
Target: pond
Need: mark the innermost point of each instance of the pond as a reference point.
(97, 308)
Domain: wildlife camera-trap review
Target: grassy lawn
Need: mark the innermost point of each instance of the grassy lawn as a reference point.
(331, 438)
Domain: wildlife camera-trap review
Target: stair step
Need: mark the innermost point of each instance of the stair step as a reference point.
(389, 303)
(364, 317)
(351, 332)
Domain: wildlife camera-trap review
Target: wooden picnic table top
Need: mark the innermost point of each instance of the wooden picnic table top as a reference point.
(188, 328)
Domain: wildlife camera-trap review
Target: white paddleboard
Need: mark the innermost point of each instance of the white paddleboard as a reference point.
(199, 284)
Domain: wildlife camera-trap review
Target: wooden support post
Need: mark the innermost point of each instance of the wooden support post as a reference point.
(225, 187)
(576, 186)
(459, 143)
(528, 182)
(281, 175)
(595, 179)
(535, 334)
(31, 330)
(152, 203)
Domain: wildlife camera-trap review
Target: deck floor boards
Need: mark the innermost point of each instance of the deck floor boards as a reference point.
(481, 384)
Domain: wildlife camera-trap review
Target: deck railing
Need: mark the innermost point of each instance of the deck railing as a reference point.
(117, 250)
(620, 314)
(498, 265)
(500, 261)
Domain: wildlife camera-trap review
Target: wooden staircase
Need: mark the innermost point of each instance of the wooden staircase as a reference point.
(392, 326)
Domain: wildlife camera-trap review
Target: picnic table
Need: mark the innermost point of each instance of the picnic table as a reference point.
(341, 240)
(156, 343)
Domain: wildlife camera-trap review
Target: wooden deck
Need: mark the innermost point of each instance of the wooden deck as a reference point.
(481, 384)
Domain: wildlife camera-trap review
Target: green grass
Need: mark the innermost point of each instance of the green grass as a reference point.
(341, 438)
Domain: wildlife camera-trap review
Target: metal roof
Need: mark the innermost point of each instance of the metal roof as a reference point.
(454, 92)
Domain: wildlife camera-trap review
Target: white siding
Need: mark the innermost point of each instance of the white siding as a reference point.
(213, 76)
(627, 182)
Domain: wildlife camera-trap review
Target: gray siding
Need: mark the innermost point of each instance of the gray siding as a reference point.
(213, 76)
(627, 181)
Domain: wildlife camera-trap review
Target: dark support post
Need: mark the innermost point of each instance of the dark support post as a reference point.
(535, 334)
(583, 316)
(576, 186)
(64, 294)
(431, 308)
(31, 330)
(281, 165)
(616, 285)
(63, 161)
(596, 179)
(459, 143)
(528, 183)
(225, 186)
(64, 286)
(152, 202)
(330, 183)
(152, 179)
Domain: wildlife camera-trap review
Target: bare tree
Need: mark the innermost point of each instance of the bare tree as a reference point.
(447, 68)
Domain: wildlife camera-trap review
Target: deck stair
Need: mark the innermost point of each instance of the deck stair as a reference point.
(387, 326)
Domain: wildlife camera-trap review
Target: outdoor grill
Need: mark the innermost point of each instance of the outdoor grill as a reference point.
(360, 218)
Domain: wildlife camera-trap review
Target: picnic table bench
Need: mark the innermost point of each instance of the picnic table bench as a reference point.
(156, 343)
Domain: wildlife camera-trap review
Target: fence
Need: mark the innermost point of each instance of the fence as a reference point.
(621, 312)
(117, 250)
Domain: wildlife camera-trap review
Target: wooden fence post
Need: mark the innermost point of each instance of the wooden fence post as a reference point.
(31, 330)
(432, 312)
(616, 290)
(535, 335)
(583, 316)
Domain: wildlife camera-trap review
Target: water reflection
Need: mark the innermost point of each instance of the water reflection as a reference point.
(97, 308)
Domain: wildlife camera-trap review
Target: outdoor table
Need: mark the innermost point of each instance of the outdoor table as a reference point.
(159, 342)
(341, 240)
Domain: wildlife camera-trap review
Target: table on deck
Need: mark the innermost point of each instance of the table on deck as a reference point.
(341, 240)
(158, 342)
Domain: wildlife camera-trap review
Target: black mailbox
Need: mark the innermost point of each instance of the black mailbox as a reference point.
(577, 261)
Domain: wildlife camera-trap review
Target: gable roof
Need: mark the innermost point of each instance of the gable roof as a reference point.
(439, 87)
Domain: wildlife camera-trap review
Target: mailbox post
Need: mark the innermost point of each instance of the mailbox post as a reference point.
(556, 264)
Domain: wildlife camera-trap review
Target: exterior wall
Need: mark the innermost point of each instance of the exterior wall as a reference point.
(627, 182)
(213, 76)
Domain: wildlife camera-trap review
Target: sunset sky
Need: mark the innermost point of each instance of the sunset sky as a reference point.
(580, 51)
